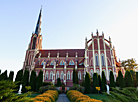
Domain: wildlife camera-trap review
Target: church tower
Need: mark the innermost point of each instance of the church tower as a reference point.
(34, 46)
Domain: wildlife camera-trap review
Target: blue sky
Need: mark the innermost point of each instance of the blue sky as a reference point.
(65, 24)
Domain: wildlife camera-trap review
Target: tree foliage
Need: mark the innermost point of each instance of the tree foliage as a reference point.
(121, 80)
(128, 94)
(39, 81)
(25, 80)
(129, 64)
(112, 82)
(59, 82)
(75, 76)
(11, 75)
(32, 82)
(103, 82)
(137, 78)
(95, 82)
(100, 81)
(3, 76)
(6, 93)
(128, 79)
(87, 83)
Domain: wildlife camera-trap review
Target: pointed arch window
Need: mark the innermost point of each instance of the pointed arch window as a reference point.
(109, 72)
(104, 72)
(79, 75)
(71, 62)
(62, 75)
(96, 58)
(52, 62)
(103, 62)
(68, 75)
(46, 76)
(98, 71)
(57, 75)
(91, 73)
(62, 62)
(51, 75)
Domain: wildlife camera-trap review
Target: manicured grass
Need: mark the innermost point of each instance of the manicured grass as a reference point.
(98, 97)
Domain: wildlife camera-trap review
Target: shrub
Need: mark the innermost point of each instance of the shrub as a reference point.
(137, 78)
(128, 79)
(48, 96)
(103, 82)
(76, 96)
(59, 82)
(45, 83)
(87, 83)
(3, 76)
(25, 80)
(80, 89)
(42, 89)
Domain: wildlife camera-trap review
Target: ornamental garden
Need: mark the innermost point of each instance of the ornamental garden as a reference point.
(92, 89)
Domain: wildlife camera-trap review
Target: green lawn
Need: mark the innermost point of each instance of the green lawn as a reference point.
(98, 97)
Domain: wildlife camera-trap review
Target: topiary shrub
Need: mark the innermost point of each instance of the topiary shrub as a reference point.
(95, 82)
(128, 79)
(87, 83)
(104, 83)
(39, 81)
(112, 82)
(59, 82)
(121, 80)
(11, 75)
(32, 82)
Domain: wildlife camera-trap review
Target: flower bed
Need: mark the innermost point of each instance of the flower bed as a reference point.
(48, 96)
(76, 96)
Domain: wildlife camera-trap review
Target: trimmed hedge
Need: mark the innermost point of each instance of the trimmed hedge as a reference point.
(76, 96)
(48, 96)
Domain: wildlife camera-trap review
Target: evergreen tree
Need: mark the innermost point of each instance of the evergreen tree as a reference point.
(39, 82)
(18, 79)
(11, 75)
(76, 76)
(121, 80)
(95, 82)
(133, 73)
(73, 75)
(112, 82)
(32, 82)
(117, 82)
(87, 83)
(100, 81)
(3, 76)
(25, 80)
(0, 71)
(137, 78)
(59, 82)
(128, 79)
(103, 82)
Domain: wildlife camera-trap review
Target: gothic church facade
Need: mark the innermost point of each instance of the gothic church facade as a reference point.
(97, 56)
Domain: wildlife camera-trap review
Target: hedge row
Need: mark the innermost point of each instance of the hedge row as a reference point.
(48, 96)
(76, 96)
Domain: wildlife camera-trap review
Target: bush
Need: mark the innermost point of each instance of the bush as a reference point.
(121, 80)
(137, 78)
(112, 82)
(3, 76)
(48, 96)
(45, 83)
(59, 82)
(76, 96)
(103, 82)
(42, 89)
(25, 80)
(11, 75)
(80, 89)
(128, 79)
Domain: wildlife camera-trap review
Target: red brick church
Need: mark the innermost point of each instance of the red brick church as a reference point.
(97, 56)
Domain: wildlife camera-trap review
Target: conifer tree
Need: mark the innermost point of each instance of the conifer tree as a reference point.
(32, 82)
(95, 82)
(128, 79)
(0, 71)
(11, 75)
(121, 80)
(137, 78)
(39, 82)
(59, 82)
(4, 75)
(25, 80)
(112, 82)
(100, 81)
(74, 75)
(87, 83)
(103, 82)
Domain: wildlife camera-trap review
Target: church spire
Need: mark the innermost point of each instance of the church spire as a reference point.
(38, 25)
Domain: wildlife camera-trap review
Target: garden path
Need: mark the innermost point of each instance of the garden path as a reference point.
(63, 98)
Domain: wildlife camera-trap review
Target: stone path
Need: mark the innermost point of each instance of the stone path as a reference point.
(63, 98)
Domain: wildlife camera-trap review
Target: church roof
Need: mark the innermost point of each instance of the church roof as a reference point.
(62, 52)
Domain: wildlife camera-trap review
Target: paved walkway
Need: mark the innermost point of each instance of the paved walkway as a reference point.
(63, 98)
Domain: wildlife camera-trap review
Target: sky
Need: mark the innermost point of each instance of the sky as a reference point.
(66, 24)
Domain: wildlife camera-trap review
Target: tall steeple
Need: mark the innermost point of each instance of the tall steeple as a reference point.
(38, 25)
